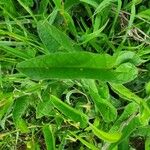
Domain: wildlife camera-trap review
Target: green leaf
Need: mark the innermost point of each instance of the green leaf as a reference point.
(70, 3)
(70, 112)
(128, 72)
(103, 5)
(52, 18)
(58, 4)
(43, 6)
(87, 144)
(15, 52)
(128, 56)
(28, 3)
(129, 110)
(77, 65)
(46, 37)
(49, 137)
(128, 95)
(71, 24)
(6, 101)
(124, 145)
(91, 2)
(9, 6)
(53, 38)
(147, 143)
(88, 37)
(106, 109)
(21, 104)
(44, 108)
(103, 90)
(127, 130)
(145, 14)
(142, 131)
(144, 115)
(125, 93)
(108, 137)
(147, 88)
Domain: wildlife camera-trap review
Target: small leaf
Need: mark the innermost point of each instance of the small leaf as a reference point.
(147, 143)
(88, 37)
(50, 43)
(128, 72)
(128, 56)
(43, 6)
(6, 102)
(142, 131)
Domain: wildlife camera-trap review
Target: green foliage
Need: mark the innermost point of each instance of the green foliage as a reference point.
(109, 137)
(77, 65)
(102, 105)
(49, 137)
(71, 113)
(20, 107)
(74, 74)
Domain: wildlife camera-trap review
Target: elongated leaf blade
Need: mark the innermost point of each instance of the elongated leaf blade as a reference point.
(20, 107)
(126, 93)
(109, 137)
(49, 137)
(53, 38)
(129, 110)
(106, 109)
(15, 52)
(51, 45)
(128, 129)
(70, 112)
(77, 65)
(87, 144)
(103, 5)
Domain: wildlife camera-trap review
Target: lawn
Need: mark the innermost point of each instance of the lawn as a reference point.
(74, 75)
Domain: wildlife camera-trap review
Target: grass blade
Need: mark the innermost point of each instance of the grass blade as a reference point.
(16, 52)
(49, 137)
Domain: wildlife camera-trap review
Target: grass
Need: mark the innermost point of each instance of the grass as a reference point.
(74, 75)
